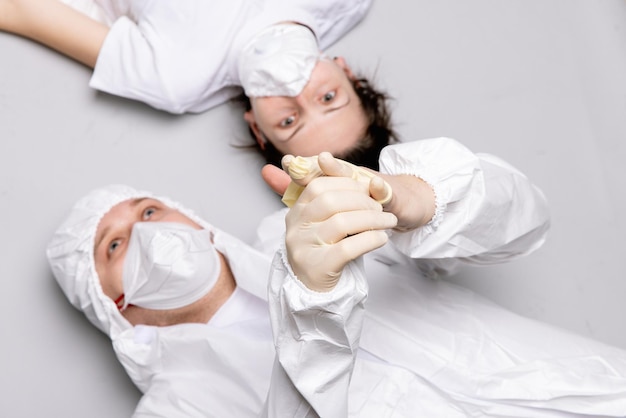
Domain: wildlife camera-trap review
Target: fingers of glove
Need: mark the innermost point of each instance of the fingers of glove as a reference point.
(305, 217)
(334, 167)
(303, 195)
(332, 202)
(345, 224)
(355, 246)
(301, 169)
(304, 169)
(323, 185)
(285, 161)
(380, 190)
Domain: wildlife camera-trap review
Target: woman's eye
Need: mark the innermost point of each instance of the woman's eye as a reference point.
(113, 245)
(328, 97)
(148, 213)
(287, 121)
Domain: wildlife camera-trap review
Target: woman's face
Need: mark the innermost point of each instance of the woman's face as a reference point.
(326, 116)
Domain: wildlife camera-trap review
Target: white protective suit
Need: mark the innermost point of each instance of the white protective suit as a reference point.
(181, 55)
(415, 347)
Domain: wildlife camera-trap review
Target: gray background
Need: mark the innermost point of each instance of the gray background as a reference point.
(538, 83)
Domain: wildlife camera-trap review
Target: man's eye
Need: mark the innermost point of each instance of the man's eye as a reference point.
(113, 245)
(328, 97)
(287, 121)
(148, 213)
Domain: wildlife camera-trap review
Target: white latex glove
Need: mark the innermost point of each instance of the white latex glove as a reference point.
(412, 200)
(332, 222)
(304, 169)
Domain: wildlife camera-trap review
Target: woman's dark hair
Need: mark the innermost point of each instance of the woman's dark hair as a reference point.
(378, 134)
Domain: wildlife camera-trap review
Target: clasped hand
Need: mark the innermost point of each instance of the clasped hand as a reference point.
(333, 221)
(408, 197)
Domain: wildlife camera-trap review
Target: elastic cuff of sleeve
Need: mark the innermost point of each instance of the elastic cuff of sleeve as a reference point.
(348, 283)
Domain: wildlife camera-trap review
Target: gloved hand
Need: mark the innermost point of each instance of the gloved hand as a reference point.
(332, 222)
(304, 169)
(412, 200)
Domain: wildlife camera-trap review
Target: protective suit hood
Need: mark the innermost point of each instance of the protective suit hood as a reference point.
(71, 254)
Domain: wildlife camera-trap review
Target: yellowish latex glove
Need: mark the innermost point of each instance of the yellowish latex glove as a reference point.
(304, 169)
(333, 222)
(412, 201)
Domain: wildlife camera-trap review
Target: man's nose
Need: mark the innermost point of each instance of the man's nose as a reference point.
(167, 216)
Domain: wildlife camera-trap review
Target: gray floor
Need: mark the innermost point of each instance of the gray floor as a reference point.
(540, 83)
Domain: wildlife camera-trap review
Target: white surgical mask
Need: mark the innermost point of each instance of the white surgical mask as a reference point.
(278, 61)
(168, 265)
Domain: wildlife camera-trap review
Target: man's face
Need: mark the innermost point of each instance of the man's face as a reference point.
(326, 116)
(113, 234)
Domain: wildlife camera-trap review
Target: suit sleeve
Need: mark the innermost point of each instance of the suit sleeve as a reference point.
(316, 337)
(486, 210)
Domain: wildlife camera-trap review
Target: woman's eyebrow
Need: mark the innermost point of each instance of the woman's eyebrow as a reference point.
(327, 111)
(295, 131)
(340, 105)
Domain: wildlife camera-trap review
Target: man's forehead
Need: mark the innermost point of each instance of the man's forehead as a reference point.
(118, 212)
(132, 203)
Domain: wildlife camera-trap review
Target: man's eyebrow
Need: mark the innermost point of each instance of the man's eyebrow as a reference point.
(105, 231)
(133, 203)
(327, 111)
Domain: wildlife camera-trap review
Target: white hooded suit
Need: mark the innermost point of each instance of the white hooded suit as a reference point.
(387, 341)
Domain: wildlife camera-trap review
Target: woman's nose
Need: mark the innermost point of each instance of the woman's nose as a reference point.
(307, 95)
(302, 99)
